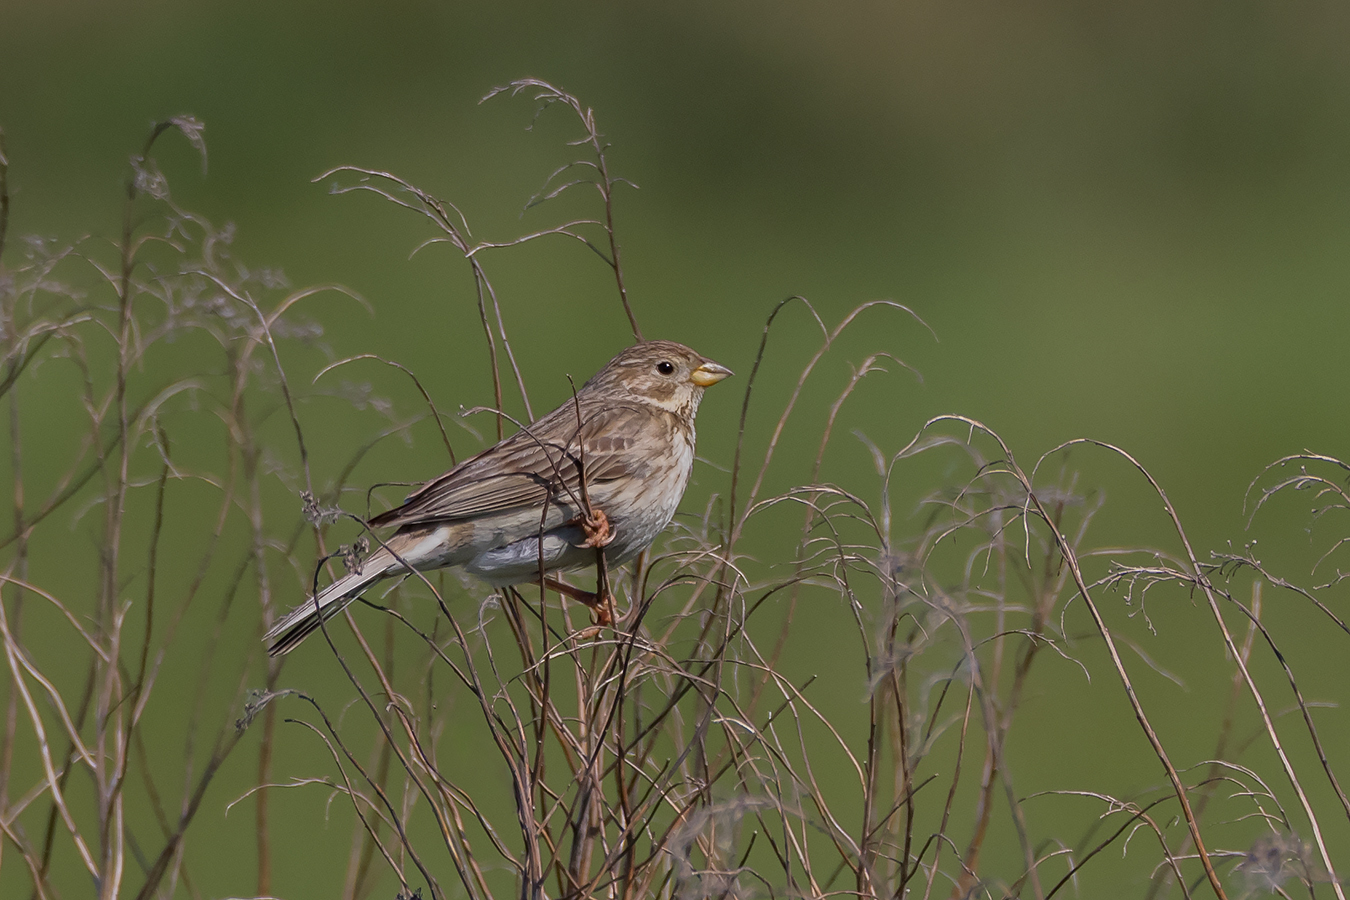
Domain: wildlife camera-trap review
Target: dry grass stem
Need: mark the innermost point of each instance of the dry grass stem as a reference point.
(822, 681)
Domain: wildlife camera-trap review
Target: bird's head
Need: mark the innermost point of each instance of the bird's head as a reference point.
(662, 373)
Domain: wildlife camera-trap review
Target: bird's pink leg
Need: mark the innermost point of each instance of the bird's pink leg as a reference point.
(595, 525)
(601, 606)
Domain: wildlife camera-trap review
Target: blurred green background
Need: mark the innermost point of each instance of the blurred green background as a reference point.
(1125, 222)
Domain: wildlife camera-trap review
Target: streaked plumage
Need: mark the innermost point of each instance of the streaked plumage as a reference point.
(490, 514)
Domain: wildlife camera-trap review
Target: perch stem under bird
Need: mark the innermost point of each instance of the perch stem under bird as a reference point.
(591, 483)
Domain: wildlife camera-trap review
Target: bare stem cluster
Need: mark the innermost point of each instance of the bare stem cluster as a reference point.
(497, 746)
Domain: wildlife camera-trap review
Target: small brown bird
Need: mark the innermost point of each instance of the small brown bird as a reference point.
(520, 509)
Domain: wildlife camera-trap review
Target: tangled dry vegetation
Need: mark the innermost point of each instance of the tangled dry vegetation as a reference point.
(496, 746)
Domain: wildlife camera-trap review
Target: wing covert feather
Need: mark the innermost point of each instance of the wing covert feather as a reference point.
(534, 464)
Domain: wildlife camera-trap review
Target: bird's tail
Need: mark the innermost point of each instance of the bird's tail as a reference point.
(297, 624)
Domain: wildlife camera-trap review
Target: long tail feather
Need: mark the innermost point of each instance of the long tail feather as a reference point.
(300, 622)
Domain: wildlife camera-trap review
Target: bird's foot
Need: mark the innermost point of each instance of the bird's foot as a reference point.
(601, 605)
(596, 528)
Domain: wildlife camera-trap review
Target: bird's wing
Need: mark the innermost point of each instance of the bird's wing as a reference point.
(538, 463)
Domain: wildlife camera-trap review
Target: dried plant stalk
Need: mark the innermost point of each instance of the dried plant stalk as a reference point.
(497, 745)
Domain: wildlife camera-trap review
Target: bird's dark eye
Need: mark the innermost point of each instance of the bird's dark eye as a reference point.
(665, 367)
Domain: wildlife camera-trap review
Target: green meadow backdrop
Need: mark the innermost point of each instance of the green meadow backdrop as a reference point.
(1124, 223)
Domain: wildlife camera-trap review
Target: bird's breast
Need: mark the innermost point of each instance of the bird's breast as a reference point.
(641, 506)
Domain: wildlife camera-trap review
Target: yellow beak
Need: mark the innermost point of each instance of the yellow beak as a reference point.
(709, 374)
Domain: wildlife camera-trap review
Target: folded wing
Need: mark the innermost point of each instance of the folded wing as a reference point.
(540, 463)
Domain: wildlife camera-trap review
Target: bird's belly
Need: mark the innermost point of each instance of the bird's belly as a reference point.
(523, 560)
(647, 507)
